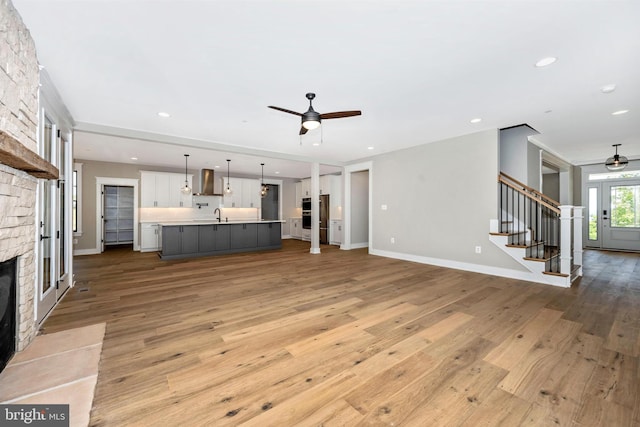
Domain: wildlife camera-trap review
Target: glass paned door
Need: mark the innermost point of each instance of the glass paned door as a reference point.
(46, 249)
(621, 216)
(62, 237)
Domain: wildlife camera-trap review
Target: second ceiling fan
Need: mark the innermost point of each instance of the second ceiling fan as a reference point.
(311, 118)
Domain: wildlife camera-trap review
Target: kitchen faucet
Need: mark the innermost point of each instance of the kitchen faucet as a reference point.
(217, 210)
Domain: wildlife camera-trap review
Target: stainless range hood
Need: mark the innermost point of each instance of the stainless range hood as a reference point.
(207, 183)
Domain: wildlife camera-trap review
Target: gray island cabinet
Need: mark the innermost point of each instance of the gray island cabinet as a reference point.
(182, 240)
(244, 236)
(213, 237)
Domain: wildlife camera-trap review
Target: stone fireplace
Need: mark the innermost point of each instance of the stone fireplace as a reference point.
(8, 272)
(20, 166)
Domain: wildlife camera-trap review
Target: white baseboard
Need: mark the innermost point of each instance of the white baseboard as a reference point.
(457, 265)
(79, 252)
(359, 245)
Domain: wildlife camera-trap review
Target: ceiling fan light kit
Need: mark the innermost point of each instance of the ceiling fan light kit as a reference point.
(617, 162)
(311, 119)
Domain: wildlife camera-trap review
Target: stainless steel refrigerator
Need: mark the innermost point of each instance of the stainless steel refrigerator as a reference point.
(324, 219)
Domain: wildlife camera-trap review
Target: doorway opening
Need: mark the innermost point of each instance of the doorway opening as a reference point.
(116, 201)
(118, 216)
(270, 203)
(358, 225)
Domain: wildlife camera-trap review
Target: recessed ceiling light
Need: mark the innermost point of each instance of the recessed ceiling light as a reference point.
(217, 166)
(277, 172)
(163, 114)
(134, 158)
(476, 120)
(608, 88)
(546, 61)
(370, 148)
(617, 113)
(315, 144)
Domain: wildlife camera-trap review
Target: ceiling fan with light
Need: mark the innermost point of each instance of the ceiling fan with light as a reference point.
(311, 118)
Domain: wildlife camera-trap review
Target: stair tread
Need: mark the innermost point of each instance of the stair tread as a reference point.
(552, 273)
(525, 244)
(574, 268)
(506, 233)
(536, 259)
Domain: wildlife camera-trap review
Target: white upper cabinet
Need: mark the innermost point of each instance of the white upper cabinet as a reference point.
(335, 193)
(163, 190)
(306, 188)
(298, 194)
(178, 198)
(251, 193)
(245, 193)
(231, 200)
(325, 184)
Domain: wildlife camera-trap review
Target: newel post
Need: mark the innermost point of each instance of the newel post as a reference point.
(578, 220)
(566, 227)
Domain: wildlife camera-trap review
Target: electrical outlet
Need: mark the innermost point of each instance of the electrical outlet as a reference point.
(478, 249)
(393, 240)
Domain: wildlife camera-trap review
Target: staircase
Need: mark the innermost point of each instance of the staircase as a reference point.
(538, 232)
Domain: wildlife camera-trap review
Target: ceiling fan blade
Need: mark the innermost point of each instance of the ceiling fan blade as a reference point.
(340, 114)
(303, 130)
(285, 110)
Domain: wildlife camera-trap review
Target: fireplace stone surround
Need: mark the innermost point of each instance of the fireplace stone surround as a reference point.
(20, 165)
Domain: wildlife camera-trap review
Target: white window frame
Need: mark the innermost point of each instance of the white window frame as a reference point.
(77, 167)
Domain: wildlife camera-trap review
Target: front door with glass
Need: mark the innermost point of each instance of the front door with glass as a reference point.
(621, 218)
(613, 215)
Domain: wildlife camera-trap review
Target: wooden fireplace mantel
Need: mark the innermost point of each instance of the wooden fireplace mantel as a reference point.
(16, 155)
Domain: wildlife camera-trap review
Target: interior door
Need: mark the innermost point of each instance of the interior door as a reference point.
(621, 215)
(46, 249)
(61, 233)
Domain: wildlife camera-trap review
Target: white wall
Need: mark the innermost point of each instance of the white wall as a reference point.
(519, 158)
(439, 209)
(551, 185)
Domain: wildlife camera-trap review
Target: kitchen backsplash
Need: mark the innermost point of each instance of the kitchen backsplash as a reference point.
(205, 212)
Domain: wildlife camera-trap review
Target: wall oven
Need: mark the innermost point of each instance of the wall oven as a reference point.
(306, 213)
(306, 219)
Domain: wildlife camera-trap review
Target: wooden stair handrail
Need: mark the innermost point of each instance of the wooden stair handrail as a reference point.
(519, 190)
(533, 190)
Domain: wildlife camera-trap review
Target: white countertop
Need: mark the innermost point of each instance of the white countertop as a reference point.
(213, 222)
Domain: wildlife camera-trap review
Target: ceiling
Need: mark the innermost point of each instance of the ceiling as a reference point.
(418, 70)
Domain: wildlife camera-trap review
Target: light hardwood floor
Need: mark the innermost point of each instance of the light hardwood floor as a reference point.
(344, 338)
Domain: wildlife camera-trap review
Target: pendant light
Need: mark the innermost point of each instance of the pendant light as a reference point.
(227, 191)
(186, 189)
(617, 162)
(263, 188)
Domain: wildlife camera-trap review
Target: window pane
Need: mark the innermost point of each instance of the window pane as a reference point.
(625, 206)
(74, 202)
(614, 175)
(593, 213)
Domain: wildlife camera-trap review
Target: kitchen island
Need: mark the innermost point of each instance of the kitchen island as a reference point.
(196, 238)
